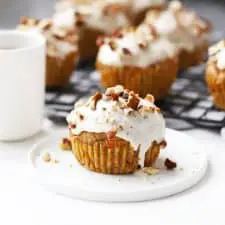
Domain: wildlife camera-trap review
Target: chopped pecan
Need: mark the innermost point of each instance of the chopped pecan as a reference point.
(115, 96)
(117, 33)
(23, 20)
(112, 45)
(66, 145)
(170, 165)
(45, 24)
(163, 144)
(72, 126)
(95, 100)
(126, 51)
(150, 98)
(143, 45)
(133, 101)
(81, 116)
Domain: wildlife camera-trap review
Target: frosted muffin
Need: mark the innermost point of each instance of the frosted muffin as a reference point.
(115, 132)
(188, 31)
(136, 10)
(62, 50)
(215, 74)
(139, 59)
(94, 19)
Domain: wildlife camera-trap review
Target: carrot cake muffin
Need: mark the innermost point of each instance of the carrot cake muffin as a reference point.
(93, 19)
(139, 59)
(116, 132)
(184, 28)
(215, 74)
(62, 50)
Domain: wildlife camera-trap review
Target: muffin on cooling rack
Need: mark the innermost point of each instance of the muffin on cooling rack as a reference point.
(94, 19)
(215, 74)
(62, 50)
(139, 59)
(184, 28)
(115, 132)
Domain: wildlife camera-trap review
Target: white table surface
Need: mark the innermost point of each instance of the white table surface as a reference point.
(23, 201)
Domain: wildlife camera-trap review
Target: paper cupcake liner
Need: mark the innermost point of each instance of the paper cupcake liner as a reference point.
(58, 71)
(116, 156)
(87, 43)
(192, 58)
(155, 79)
(215, 79)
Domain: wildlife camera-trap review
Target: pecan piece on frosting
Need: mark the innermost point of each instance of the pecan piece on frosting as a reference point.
(133, 101)
(143, 45)
(23, 20)
(126, 51)
(95, 100)
(150, 98)
(170, 165)
(112, 45)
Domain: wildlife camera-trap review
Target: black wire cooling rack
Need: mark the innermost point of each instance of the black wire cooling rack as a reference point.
(187, 101)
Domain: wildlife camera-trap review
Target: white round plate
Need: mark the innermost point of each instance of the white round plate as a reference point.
(69, 178)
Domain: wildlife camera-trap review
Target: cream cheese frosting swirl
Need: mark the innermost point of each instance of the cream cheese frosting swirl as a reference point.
(140, 47)
(132, 118)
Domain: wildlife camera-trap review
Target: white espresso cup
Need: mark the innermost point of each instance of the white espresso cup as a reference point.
(22, 84)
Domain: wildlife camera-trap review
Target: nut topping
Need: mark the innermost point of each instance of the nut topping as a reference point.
(95, 100)
(170, 165)
(65, 144)
(150, 98)
(133, 102)
(126, 51)
(112, 45)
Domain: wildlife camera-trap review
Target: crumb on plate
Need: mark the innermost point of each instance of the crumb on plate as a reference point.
(150, 170)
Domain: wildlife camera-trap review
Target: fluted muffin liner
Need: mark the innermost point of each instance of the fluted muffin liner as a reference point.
(215, 79)
(59, 70)
(155, 79)
(109, 156)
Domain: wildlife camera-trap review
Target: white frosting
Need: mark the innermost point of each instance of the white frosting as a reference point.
(55, 47)
(179, 27)
(138, 128)
(93, 17)
(221, 60)
(156, 50)
(217, 54)
(139, 5)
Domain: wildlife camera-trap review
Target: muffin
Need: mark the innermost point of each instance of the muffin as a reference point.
(215, 74)
(139, 59)
(188, 31)
(94, 19)
(62, 50)
(116, 132)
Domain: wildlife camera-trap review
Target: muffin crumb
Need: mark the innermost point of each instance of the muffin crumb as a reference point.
(46, 157)
(65, 145)
(150, 171)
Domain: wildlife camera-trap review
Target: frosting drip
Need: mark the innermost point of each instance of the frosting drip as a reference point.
(132, 118)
